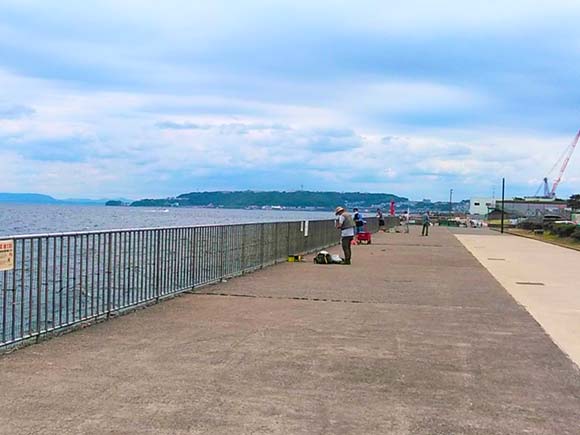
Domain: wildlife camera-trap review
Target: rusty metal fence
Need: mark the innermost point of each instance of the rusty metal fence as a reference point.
(62, 280)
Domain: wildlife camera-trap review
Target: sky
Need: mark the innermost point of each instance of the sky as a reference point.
(141, 98)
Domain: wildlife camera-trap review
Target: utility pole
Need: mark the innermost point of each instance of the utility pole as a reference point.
(450, 202)
(502, 202)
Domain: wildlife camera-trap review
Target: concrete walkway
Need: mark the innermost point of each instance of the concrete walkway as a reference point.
(542, 277)
(416, 337)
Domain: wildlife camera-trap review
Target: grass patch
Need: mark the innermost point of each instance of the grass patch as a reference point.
(547, 237)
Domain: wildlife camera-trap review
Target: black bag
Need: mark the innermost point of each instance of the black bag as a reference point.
(322, 258)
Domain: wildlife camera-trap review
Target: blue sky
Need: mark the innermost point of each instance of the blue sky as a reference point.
(148, 99)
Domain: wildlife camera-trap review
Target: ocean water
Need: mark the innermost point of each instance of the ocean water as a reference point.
(42, 219)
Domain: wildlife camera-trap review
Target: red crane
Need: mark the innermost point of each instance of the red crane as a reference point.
(566, 155)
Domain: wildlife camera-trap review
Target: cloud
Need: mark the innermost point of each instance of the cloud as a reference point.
(333, 140)
(15, 111)
(234, 128)
(420, 97)
(66, 149)
(169, 125)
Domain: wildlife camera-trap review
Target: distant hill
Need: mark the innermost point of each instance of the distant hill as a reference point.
(298, 199)
(117, 203)
(38, 198)
(27, 198)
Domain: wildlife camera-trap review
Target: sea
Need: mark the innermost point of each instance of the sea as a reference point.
(20, 219)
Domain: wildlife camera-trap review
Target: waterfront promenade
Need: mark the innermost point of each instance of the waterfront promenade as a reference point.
(416, 337)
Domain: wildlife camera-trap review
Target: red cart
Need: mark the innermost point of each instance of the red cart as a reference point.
(363, 237)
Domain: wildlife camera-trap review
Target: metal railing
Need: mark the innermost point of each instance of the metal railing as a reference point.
(61, 280)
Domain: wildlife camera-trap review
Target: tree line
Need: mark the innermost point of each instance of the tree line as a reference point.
(249, 198)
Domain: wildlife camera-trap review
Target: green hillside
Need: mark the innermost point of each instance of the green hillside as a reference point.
(299, 199)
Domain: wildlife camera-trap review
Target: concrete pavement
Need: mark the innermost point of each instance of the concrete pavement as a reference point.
(540, 276)
(416, 337)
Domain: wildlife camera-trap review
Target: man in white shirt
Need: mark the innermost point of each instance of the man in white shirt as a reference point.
(345, 223)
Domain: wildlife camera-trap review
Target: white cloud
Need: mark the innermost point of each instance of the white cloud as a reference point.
(388, 95)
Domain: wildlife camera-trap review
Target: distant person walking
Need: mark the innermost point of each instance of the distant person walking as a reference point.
(358, 221)
(426, 224)
(345, 223)
(381, 219)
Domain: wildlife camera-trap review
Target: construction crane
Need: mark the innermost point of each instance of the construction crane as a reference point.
(565, 159)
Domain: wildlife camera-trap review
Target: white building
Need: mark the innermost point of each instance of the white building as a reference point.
(481, 206)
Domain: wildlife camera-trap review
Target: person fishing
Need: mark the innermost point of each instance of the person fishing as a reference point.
(345, 223)
(358, 221)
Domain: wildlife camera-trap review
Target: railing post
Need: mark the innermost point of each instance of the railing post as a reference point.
(4, 297)
(195, 257)
(261, 245)
(157, 266)
(109, 271)
(243, 259)
(38, 285)
(276, 247)
(222, 245)
(288, 241)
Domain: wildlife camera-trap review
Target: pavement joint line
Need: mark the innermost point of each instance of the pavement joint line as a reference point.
(529, 283)
(415, 245)
(343, 301)
(297, 298)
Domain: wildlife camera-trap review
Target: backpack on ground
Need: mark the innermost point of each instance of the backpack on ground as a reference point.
(324, 257)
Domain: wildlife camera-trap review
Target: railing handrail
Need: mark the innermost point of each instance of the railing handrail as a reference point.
(133, 230)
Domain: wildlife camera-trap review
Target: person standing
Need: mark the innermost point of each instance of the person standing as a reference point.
(426, 224)
(358, 221)
(345, 223)
(407, 221)
(381, 219)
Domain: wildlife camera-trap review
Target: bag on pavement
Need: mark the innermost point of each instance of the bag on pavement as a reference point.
(324, 257)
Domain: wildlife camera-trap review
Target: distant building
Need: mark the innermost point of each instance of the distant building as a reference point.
(519, 207)
(535, 207)
(481, 206)
(495, 215)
